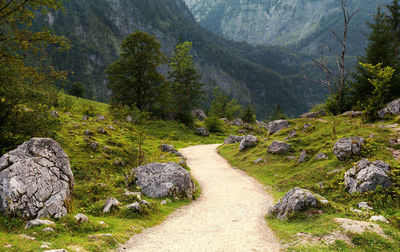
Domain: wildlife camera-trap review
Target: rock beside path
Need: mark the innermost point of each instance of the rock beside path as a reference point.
(366, 176)
(233, 139)
(295, 200)
(159, 180)
(170, 149)
(247, 142)
(36, 180)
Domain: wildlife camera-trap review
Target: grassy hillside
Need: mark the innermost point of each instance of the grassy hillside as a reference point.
(279, 175)
(99, 175)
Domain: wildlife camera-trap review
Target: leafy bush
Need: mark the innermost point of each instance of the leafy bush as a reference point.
(214, 124)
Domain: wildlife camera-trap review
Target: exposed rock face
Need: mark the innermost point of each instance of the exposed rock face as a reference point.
(199, 114)
(159, 180)
(366, 176)
(276, 126)
(169, 148)
(247, 142)
(392, 108)
(278, 147)
(320, 113)
(353, 113)
(36, 180)
(294, 201)
(233, 139)
(345, 148)
(237, 122)
(202, 131)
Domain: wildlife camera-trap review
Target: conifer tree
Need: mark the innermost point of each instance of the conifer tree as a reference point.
(185, 82)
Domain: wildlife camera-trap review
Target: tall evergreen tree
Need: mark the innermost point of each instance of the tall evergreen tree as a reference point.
(278, 114)
(134, 78)
(185, 82)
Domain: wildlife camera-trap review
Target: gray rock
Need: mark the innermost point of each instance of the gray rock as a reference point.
(278, 147)
(27, 237)
(101, 130)
(353, 113)
(36, 180)
(94, 145)
(138, 195)
(306, 127)
(364, 205)
(233, 139)
(44, 246)
(199, 114)
(110, 127)
(38, 222)
(111, 203)
(366, 176)
(295, 200)
(159, 180)
(119, 162)
(379, 218)
(107, 149)
(143, 202)
(303, 156)
(320, 113)
(237, 122)
(321, 156)
(100, 118)
(81, 218)
(87, 133)
(291, 158)
(247, 142)
(165, 202)
(85, 118)
(243, 131)
(392, 108)
(55, 114)
(260, 160)
(276, 126)
(335, 171)
(48, 230)
(346, 148)
(292, 134)
(202, 131)
(170, 149)
(134, 206)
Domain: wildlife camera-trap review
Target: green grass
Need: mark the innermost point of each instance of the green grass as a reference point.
(92, 167)
(281, 175)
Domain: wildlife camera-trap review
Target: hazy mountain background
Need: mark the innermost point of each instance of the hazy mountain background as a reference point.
(263, 75)
(302, 24)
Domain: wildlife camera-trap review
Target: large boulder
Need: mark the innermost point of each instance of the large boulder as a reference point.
(247, 142)
(392, 108)
(36, 180)
(278, 147)
(345, 148)
(233, 139)
(199, 114)
(159, 180)
(366, 176)
(276, 126)
(295, 200)
(320, 113)
(237, 122)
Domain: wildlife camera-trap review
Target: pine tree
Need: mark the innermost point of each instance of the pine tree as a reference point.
(134, 78)
(278, 114)
(76, 89)
(185, 82)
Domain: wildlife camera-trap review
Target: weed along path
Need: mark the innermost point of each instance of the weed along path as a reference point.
(229, 215)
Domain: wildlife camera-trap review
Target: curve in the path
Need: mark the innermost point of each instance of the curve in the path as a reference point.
(229, 215)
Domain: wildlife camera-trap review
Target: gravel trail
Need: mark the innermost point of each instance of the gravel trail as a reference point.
(229, 215)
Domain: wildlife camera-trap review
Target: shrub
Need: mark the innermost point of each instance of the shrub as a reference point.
(214, 124)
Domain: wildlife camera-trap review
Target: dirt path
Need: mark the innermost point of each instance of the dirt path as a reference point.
(229, 215)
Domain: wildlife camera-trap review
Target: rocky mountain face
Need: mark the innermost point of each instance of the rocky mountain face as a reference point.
(304, 24)
(263, 76)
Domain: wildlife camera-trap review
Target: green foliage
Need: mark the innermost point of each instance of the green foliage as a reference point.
(380, 80)
(186, 88)
(214, 124)
(224, 107)
(76, 89)
(248, 115)
(134, 78)
(278, 114)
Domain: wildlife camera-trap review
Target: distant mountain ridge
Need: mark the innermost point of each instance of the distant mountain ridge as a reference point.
(262, 76)
(302, 24)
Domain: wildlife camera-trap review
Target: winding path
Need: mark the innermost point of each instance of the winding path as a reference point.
(229, 215)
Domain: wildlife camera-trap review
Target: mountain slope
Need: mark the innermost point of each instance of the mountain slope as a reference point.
(262, 76)
(305, 24)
